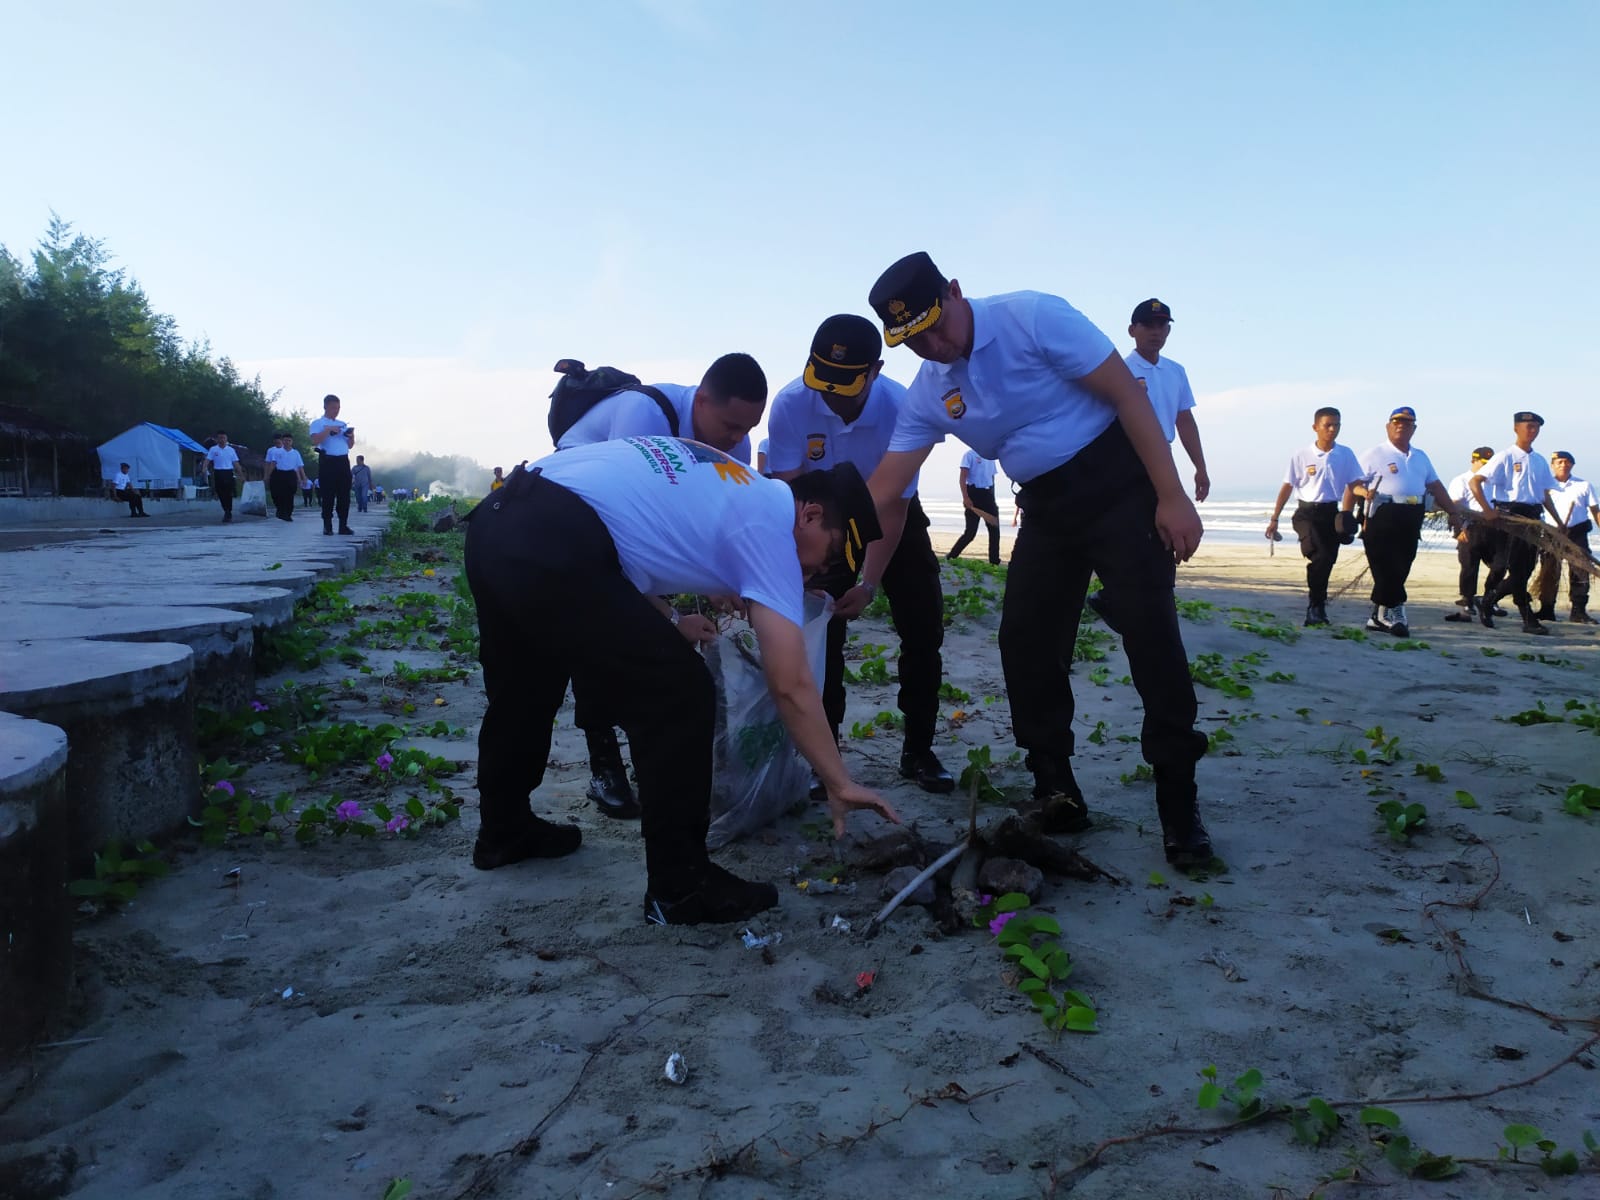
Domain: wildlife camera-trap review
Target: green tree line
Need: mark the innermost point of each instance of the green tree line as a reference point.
(81, 345)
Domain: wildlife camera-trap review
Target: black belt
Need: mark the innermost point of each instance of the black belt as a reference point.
(1305, 504)
(1517, 508)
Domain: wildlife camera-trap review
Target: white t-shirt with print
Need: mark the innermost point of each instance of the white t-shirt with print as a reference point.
(804, 433)
(1016, 398)
(1573, 500)
(1460, 491)
(1167, 385)
(688, 518)
(120, 481)
(1396, 474)
(1519, 476)
(222, 458)
(980, 470)
(1319, 477)
(335, 443)
(636, 414)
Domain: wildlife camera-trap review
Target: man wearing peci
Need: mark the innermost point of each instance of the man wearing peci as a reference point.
(1521, 483)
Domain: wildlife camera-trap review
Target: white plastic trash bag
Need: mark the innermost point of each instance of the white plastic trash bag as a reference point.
(756, 774)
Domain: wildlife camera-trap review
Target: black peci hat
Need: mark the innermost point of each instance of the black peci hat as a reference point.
(907, 297)
(843, 353)
(1151, 312)
(1519, 418)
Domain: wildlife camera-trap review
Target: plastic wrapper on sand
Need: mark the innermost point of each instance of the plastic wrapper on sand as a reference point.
(756, 774)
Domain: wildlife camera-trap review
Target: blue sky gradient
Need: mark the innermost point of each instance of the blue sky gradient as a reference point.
(421, 206)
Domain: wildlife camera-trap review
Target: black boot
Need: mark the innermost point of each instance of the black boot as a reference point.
(534, 838)
(1486, 612)
(608, 785)
(1059, 799)
(1546, 613)
(1316, 614)
(1530, 623)
(924, 767)
(1580, 615)
(1183, 834)
(707, 895)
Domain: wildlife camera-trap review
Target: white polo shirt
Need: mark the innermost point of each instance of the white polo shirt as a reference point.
(222, 458)
(1167, 385)
(289, 460)
(1016, 397)
(120, 481)
(1519, 476)
(980, 470)
(1398, 475)
(335, 443)
(1319, 476)
(806, 434)
(1461, 492)
(1573, 500)
(688, 518)
(636, 414)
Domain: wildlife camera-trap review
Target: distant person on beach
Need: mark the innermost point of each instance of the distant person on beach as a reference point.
(1396, 480)
(221, 458)
(763, 447)
(361, 482)
(720, 411)
(567, 564)
(976, 480)
(1574, 499)
(122, 489)
(1026, 379)
(1522, 485)
(1167, 385)
(333, 440)
(285, 474)
(1474, 543)
(842, 410)
(1317, 477)
(498, 482)
(308, 489)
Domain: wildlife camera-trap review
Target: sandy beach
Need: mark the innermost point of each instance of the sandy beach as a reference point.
(338, 1016)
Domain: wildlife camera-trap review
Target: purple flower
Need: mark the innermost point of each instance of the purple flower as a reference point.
(999, 923)
(257, 706)
(986, 899)
(348, 810)
(222, 785)
(397, 822)
(384, 761)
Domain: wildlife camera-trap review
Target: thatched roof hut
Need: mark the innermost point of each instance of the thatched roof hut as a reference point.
(36, 454)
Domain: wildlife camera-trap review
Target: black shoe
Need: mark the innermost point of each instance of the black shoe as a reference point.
(814, 789)
(609, 789)
(1057, 798)
(538, 838)
(1316, 614)
(1530, 623)
(712, 897)
(1103, 610)
(1546, 614)
(227, 518)
(1487, 613)
(928, 772)
(327, 531)
(345, 529)
(1183, 834)
(1581, 617)
(1466, 610)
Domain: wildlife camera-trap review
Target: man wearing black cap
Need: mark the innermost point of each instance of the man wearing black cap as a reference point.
(720, 411)
(565, 563)
(842, 410)
(1026, 379)
(1576, 498)
(1397, 480)
(1475, 544)
(1167, 385)
(1522, 483)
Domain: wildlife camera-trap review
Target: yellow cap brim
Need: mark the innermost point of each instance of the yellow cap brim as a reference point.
(893, 335)
(818, 384)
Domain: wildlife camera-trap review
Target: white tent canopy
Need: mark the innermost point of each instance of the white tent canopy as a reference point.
(154, 455)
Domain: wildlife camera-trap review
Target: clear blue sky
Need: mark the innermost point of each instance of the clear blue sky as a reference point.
(421, 206)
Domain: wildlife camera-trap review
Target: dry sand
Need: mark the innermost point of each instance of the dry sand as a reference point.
(504, 1033)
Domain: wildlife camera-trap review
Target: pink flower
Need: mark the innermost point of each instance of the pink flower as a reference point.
(397, 822)
(348, 810)
(999, 923)
(384, 761)
(257, 706)
(222, 785)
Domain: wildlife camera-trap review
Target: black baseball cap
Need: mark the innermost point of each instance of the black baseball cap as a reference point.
(1519, 418)
(844, 490)
(843, 352)
(1566, 454)
(908, 296)
(1151, 312)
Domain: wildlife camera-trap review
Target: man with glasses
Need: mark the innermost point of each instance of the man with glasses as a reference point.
(1026, 379)
(1576, 499)
(1522, 483)
(1397, 479)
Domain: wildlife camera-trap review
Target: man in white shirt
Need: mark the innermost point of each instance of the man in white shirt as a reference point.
(1317, 476)
(285, 472)
(1026, 379)
(976, 480)
(221, 458)
(567, 563)
(1522, 483)
(1167, 385)
(333, 440)
(1475, 543)
(1575, 499)
(720, 411)
(843, 410)
(1397, 479)
(122, 489)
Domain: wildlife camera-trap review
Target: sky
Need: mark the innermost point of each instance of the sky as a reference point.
(422, 204)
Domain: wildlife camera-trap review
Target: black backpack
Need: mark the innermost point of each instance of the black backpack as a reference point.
(580, 389)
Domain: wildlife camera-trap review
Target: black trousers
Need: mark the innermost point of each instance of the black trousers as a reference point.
(1475, 546)
(553, 607)
(283, 485)
(981, 498)
(1094, 514)
(1391, 535)
(1577, 578)
(1514, 559)
(916, 603)
(133, 499)
(222, 485)
(333, 478)
(1319, 543)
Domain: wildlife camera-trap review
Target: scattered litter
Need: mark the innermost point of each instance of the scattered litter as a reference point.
(676, 1071)
(288, 993)
(752, 942)
(839, 924)
(825, 887)
(555, 1048)
(230, 878)
(1526, 917)
(1230, 969)
(83, 1041)
(864, 980)
(236, 937)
